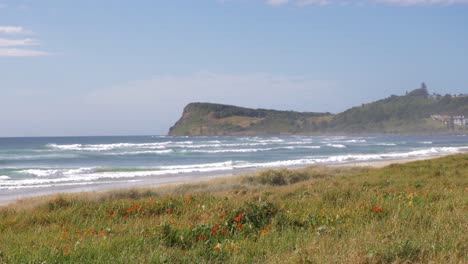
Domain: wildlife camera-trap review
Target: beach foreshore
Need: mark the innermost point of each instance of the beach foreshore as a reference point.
(9, 197)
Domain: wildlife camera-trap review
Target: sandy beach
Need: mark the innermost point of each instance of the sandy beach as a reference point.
(8, 197)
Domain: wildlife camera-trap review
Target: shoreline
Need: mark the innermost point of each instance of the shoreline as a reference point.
(13, 196)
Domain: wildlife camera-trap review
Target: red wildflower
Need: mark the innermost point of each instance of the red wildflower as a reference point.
(190, 196)
(222, 214)
(201, 237)
(377, 209)
(151, 201)
(238, 218)
(214, 230)
(169, 210)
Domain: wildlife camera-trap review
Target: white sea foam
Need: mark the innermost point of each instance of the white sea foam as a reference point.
(45, 173)
(41, 172)
(355, 141)
(65, 147)
(354, 157)
(336, 145)
(106, 147)
(12, 157)
(300, 147)
(215, 145)
(142, 152)
(247, 150)
(426, 142)
(54, 176)
(93, 175)
(263, 140)
(386, 144)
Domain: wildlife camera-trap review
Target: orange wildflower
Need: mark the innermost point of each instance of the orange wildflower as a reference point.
(377, 209)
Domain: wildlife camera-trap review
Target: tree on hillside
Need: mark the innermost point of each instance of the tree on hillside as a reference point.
(420, 92)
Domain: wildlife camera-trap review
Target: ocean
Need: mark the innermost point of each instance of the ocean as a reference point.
(39, 163)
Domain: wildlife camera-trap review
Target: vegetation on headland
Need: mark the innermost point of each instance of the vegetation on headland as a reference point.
(403, 213)
(410, 113)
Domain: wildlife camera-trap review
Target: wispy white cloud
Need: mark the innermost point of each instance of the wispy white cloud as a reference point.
(12, 30)
(15, 52)
(10, 47)
(17, 42)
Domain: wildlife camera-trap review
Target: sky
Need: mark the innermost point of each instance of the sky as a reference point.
(115, 67)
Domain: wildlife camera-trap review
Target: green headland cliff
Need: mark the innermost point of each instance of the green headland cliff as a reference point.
(415, 112)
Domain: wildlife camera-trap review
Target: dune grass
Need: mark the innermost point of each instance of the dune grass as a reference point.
(403, 213)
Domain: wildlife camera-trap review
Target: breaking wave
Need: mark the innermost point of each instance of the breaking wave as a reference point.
(336, 145)
(77, 176)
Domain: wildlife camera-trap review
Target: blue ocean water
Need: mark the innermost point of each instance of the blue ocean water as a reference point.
(64, 161)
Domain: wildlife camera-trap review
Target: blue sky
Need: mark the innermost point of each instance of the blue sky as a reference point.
(128, 67)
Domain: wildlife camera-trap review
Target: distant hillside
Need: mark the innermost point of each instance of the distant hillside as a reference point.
(401, 114)
(410, 113)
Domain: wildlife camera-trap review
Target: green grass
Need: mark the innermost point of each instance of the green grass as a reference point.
(410, 213)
